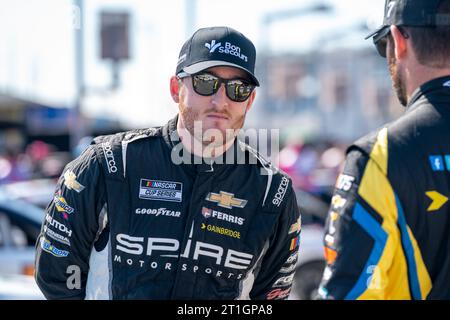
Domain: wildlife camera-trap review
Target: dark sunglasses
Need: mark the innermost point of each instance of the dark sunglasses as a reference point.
(206, 84)
(380, 41)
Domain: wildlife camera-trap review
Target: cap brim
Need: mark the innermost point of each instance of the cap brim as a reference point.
(377, 32)
(200, 66)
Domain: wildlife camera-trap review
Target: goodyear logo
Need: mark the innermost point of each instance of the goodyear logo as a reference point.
(226, 200)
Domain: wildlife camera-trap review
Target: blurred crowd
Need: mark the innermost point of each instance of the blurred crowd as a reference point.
(313, 166)
(39, 160)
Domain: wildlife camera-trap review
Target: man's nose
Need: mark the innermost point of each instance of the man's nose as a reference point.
(220, 98)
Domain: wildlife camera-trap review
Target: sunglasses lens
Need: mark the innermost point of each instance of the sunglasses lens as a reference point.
(381, 46)
(205, 84)
(238, 90)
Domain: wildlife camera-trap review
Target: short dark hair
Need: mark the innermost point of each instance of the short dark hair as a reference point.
(432, 44)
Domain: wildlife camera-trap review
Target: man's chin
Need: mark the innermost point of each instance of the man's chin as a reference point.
(217, 135)
(216, 123)
(221, 125)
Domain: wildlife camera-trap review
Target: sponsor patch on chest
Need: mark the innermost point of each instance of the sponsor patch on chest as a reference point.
(160, 190)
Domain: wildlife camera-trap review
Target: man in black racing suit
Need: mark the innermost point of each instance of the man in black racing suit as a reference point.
(129, 220)
(388, 229)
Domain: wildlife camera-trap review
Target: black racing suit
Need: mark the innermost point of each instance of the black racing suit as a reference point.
(128, 221)
(388, 228)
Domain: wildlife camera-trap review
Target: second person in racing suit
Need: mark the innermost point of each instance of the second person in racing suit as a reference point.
(388, 229)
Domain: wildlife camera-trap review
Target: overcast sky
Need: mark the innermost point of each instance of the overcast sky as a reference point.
(37, 46)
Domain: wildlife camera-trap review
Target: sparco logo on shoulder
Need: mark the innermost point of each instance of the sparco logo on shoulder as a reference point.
(109, 157)
(282, 188)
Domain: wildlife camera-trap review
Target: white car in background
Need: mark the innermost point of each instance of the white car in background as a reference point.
(311, 259)
(310, 263)
(16, 287)
(38, 191)
(20, 224)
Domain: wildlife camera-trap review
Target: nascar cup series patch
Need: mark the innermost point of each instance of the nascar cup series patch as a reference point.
(160, 190)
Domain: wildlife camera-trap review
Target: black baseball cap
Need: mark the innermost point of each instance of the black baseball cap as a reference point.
(217, 46)
(413, 13)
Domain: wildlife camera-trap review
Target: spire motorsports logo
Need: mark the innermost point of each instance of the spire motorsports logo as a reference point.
(162, 254)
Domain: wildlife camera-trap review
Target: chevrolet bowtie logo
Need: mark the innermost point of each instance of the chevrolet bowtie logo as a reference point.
(71, 183)
(226, 200)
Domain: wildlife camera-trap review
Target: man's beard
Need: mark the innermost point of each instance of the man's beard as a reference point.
(397, 80)
(210, 136)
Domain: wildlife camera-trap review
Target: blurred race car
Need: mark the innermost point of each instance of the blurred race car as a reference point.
(16, 287)
(311, 260)
(20, 224)
(38, 191)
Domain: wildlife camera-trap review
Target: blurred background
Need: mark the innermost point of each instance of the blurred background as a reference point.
(74, 69)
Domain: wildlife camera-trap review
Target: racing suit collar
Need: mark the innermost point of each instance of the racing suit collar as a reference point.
(442, 83)
(170, 134)
(197, 164)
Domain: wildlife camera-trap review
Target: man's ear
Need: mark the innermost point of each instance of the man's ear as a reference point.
(401, 44)
(175, 89)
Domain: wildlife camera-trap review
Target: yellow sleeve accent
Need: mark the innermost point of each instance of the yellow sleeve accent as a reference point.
(390, 276)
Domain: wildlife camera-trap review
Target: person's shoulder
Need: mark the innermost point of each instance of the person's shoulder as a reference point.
(127, 136)
(109, 149)
(262, 162)
(254, 154)
(365, 145)
(371, 147)
(421, 122)
(397, 139)
(400, 133)
(277, 183)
